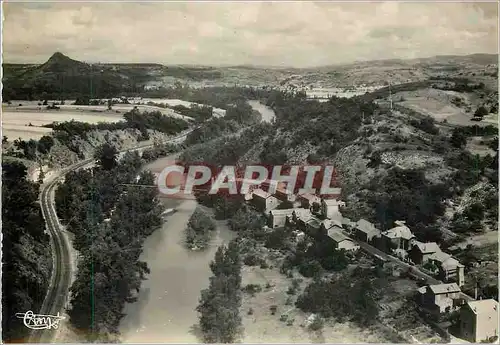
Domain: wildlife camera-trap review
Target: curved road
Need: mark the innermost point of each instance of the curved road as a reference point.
(60, 282)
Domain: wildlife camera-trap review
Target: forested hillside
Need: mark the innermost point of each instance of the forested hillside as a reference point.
(26, 257)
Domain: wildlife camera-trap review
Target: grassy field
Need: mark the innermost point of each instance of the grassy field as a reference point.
(17, 117)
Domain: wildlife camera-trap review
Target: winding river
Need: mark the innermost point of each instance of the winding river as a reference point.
(165, 309)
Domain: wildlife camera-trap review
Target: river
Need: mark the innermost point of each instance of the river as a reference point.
(165, 309)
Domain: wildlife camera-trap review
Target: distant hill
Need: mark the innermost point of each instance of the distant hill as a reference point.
(63, 77)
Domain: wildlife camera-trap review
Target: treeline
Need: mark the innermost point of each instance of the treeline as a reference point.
(110, 222)
(220, 320)
(199, 113)
(26, 256)
(217, 96)
(154, 120)
(226, 150)
(160, 150)
(238, 115)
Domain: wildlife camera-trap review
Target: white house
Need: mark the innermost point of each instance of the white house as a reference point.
(330, 208)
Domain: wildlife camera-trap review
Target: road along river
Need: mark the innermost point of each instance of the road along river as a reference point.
(165, 310)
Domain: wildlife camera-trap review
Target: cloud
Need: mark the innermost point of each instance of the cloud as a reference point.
(267, 33)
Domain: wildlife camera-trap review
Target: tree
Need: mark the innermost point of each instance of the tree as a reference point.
(107, 156)
(45, 144)
(481, 111)
(219, 305)
(5, 139)
(458, 138)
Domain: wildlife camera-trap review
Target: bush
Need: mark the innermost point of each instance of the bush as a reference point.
(317, 324)
(310, 268)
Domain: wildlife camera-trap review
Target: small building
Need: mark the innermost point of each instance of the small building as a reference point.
(313, 226)
(450, 269)
(330, 208)
(421, 252)
(302, 214)
(439, 298)
(365, 231)
(307, 200)
(340, 240)
(399, 237)
(279, 218)
(264, 201)
(347, 223)
(479, 320)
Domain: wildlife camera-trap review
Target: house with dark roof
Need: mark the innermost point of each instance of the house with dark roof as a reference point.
(479, 321)
(264, 201)
(439, 298)
(421, 252)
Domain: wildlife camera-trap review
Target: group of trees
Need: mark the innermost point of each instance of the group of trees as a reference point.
(220, 319)
(200, 229)
(352, 296)
(110, 220)
(26, 259)
(199, 113)
(31, 148)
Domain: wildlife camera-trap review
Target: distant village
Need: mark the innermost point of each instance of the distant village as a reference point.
(441, 275)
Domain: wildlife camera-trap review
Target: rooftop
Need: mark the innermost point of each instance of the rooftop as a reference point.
(444, 288)
(261, 193)
(485, 306)
(401, 231)
(333, 202)
(309, 196)
(367, 227)
(285, 212)
(451, 263)
(427, 248)
(336, 235)
(440, 256)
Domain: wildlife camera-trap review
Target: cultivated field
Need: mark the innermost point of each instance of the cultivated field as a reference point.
(438, 104)
(23, 119)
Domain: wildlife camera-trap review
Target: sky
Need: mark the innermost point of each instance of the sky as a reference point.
(298, 34)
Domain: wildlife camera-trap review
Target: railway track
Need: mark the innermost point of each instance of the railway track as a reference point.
(57, 293)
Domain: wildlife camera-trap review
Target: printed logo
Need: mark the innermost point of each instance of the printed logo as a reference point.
(183, 181)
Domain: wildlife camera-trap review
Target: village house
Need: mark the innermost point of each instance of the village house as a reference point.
(399, 237)
(330, 208)
(340, 240)
(449, 269)
(365, 231)
(307, 200)
(264, 201)
(302, 214)
(312, 226)
(439, 299)
(278, 218)
(479, 320)
(421, 252)
(348, 224)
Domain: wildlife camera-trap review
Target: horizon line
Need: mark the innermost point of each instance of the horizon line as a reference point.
(250, 65)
